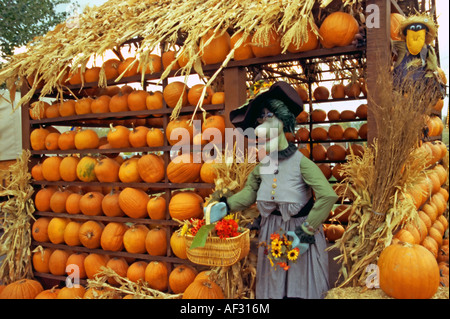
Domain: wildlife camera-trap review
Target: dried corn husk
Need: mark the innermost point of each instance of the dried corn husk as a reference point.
(16, 215)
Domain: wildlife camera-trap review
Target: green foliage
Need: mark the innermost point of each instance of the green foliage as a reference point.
(22, 20)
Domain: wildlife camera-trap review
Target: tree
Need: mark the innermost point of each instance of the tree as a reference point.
(22, 20)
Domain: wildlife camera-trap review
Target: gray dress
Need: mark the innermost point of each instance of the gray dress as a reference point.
(287, 189)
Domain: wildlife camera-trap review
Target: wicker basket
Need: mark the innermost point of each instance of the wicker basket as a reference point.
(219, 252)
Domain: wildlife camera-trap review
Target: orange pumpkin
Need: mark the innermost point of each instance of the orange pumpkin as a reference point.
(71, 237)
(136, 271)
(183, 169)
(118, 136)
(310, 43)
(66, 140)
(42, 199)
(40, 260)
(154, 101)
(156, 242)
(269, 45)
(213, 129)
(185, 205)
(110, 205)
(157, 275)
(85, 169)
(22, 289)
(73, 203)
(208, 172)
(119, 103)
(68, 168)
(37, 138)
(244, 51)
(181, 277)
(128, 67)
(39, 230)
(156, 207)
(112, 236)
(120, 266)
(90, 234)
(93, 262)
(101, 104)
(48, 293)
(178, 245)
(396, 19)
(179, 132)
(129, 172)
(137, 100)
(83, 106)
(56, 228)
(338, 29)
(151, 168)
(107, 170)
(203, 289)
(155, 137)
(174, 92)
(57, 262)
(133, 202)
(37, 110)
(111, 68)
(134, 239)
(58, 201)
(214, 47)
(167, 59)
(218, 98)
(154, 65)
(195, 93)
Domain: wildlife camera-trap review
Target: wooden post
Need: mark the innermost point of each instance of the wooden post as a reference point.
(236, 91)
(378, 57)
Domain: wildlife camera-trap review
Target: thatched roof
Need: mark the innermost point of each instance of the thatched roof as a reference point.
(154, 23)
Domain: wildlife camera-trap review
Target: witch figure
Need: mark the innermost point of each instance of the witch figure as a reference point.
(291, 194)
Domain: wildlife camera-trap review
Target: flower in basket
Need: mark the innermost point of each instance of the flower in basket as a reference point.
(227, 227)
(279, 251)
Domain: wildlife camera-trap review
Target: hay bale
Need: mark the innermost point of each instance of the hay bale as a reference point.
(365, 293)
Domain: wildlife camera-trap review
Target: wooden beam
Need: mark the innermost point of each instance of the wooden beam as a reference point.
(235, 82)
(378, 58)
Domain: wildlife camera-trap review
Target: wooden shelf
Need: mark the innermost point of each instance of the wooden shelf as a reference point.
(161, 185)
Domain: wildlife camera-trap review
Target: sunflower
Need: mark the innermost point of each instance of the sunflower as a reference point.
(276, 252)
(293, 254)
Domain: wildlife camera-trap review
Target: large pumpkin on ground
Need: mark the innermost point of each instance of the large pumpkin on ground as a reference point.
(22, 289)
(203, 289)
(408, 272)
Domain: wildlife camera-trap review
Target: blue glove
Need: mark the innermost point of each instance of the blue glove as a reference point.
(303, 248)
(217, 211)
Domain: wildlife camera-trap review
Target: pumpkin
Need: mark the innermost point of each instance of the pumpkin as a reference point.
(321, 93)
(134, 239)
(129, 172)
(154, 64)
(52, 111)
(361, 111)
(58, 201)
(183, 169)
(319, 152)
(75, 292)
(112, 236)
(71, 237)
(318, 115)
(75, 265)
(92, 74)
(338, 29)
(37, 110)
(110, 205)
(174, 92)
(91, 203)
(244, 50)
(128, 67)
(443, 254)
(68, 168)
(120, 266)
(203, 289)
(179, 132)
(178, 245)
(408, 272)
(156, 242)
(111, 68)
(362, 132)
(319, 134)
(133, 202)
(208, 172)
(101, 104)
(353, 89)
(66, 140)
(336, 132)
(334, 232)
(185, 205)
(326, 170)
(168, 59)
(181, 277)
(338, 91)
(154, 101)
(432, 246)
(56, 228)
(22, 289)
(395, 20)
(51, 141)
(73, 203)
(93, 262)
(136, 271)
(137, 100)
(150, 168)
(156, 207)
(40, 260)
(213, 128)
(39, 230)
(90, 234)
(195, 93)
(218, 98)
(107, 170)
(36, 172)
(42, 199)
(310, 43)
(350, 133)
(336, 152)
(85, 169)
(138, 136)
(48, 293)
(57, 262)
(119, 102)
(157, 275)
(118, 136)
(155, 137)
(337, 172)
(50, 168)
(266, 45)
(302, 134)
(83, 106)
(214, 47)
